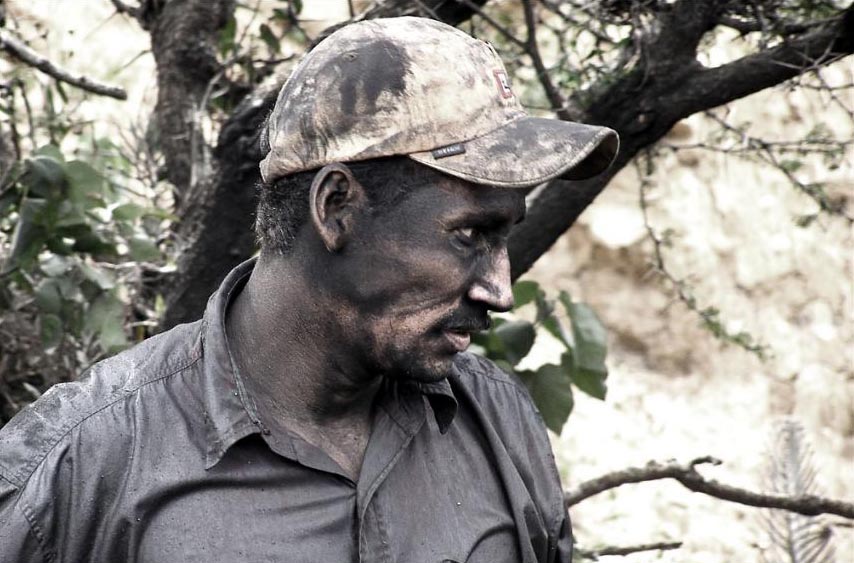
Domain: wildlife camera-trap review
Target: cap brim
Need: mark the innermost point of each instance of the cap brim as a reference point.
(529, 151)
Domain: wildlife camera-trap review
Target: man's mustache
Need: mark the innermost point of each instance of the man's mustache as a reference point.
(467, 319)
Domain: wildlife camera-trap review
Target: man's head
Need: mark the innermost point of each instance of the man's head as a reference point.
(393, 157)
(401, 278)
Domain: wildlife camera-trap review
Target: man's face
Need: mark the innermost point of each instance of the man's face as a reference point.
(421, 277)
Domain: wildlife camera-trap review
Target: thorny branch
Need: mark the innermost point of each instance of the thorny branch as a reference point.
(709, 316)
(688, 476)
(767, 151)
(16, 48)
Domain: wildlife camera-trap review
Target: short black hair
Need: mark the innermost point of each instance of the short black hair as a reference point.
(283, 204)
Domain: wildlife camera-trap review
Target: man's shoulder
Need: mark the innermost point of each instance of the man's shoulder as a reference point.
(487, 381)
(30, 436)
(501, 397)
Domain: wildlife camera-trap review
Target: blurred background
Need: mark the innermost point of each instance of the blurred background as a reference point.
(718, 260)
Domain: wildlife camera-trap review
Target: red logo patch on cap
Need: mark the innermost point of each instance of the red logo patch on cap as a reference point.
(503, 83)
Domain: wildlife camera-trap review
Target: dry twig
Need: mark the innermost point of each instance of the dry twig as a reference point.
(688, 476)
(16, 48)
(627, 549)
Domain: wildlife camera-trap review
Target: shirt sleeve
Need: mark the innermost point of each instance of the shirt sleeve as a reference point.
(18, 541)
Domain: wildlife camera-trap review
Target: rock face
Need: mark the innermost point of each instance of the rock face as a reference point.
(677, 392)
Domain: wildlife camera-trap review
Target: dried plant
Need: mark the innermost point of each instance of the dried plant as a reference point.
(791, 470)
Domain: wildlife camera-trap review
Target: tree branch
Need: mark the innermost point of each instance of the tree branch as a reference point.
(688, 476)
(531, 47)
(627, 550)
(16, 48)
(752, 73)
(643, 104)
(497, 26)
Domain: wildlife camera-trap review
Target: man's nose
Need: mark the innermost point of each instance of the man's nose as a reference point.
(492, 285)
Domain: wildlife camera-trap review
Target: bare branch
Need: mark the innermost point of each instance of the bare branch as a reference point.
(765, 151)
(552, 93)
(769, 67)
(628, 549)
(16, 48)
(491, 21)
(688, 476)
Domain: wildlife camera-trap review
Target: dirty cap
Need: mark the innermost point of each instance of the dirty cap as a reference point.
(417, 87)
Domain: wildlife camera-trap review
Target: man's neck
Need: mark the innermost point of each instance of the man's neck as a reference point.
(289, 356)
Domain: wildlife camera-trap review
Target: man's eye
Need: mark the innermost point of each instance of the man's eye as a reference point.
(466, 235)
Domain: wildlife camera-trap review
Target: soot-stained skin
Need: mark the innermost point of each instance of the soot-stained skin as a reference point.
(436, 262)
(367, 71)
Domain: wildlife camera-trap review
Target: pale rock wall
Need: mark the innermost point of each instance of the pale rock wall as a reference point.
(674, 390)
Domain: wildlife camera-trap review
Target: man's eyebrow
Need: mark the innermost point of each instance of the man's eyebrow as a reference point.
(488, 217)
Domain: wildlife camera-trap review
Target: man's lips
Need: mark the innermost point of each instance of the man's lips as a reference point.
(459, 339)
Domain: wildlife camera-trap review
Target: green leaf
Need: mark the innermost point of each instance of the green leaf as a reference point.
(492, 346)
(98, 276)
(524, 292)
(61, 91)
(86, 185)
(105, 318)
(143, 249)
(269, 38)
(29, 236)
(551, 391)
(297, 4)
(44, 176)
(58, 246)
(590, 337)
(91, 242)
(47, 296)
(50, 151)
(791, 165)
(227, 35)
(517, 338)
(51, 330)
(504, 366)
(55, 266)
(7, 200)
(592, 383)
(553, 326)
(128, 212)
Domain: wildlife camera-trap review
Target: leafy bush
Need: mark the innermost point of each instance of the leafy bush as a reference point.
(582, 362)
(75, 246)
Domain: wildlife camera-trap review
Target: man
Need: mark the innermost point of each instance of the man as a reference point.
(324, 409)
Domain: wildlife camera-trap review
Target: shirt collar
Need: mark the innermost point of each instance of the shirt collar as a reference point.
(442, 401)
(231, 412)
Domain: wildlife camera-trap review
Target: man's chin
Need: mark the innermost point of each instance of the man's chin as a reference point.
(425, 371)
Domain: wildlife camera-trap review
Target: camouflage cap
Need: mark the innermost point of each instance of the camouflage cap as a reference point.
(417, 87)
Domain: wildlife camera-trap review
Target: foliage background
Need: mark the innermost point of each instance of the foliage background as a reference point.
(674, 390)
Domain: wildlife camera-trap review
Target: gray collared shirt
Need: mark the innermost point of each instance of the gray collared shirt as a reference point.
(156, 455)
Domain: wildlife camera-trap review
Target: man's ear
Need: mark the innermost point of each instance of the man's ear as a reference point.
(335, 198)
